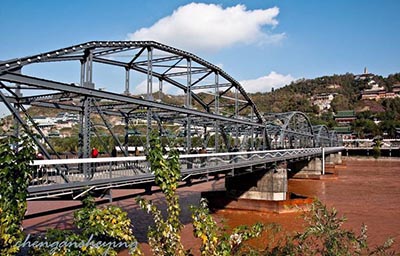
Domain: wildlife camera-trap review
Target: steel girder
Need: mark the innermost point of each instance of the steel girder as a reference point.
(289, 130)
(321, 136)
(102, 51)
(335, 140)
(229, 109)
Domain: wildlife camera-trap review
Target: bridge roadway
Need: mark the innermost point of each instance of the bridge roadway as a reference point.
(61, 177)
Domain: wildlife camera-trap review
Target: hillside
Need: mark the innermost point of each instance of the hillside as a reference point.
(297, 95)
(375, 100)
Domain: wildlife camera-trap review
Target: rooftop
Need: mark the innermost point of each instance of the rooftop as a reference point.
(345, 113)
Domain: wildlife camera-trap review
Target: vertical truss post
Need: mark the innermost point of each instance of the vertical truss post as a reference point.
(237, 142)
(160, 89)
(205, 142)
(252, 129)
(216, 142)
(264, 136)
(188, 104)
(126, 141)
(85, 123)
(80, 137)
(149, 91)
(323, 161)
(126, 92)
(87, 105)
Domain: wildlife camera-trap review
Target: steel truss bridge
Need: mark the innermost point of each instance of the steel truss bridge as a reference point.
(212, 106)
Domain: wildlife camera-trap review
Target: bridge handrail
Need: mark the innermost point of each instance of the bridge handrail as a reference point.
(185, 156)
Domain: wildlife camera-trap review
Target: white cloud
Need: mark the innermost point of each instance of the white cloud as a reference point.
(266, 83)
(141, 88)
(199, 26)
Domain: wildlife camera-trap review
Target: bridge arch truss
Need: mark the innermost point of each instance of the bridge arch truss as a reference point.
(289, 130)
(321, 136)
(335, 139)
(212, 103)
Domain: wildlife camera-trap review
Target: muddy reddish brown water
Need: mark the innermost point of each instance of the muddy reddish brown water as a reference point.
(365, 191)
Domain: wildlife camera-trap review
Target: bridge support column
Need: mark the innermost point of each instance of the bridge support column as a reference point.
(270, 184)
(338, 158)
(306, 169)
(334, 159)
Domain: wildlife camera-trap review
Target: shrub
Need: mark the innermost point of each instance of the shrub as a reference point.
(15, 172)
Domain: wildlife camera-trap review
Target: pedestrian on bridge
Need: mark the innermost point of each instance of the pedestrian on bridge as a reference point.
(95, 154)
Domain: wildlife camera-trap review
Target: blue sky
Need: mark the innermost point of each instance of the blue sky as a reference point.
(261, 43)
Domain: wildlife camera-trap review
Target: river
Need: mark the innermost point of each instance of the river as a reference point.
(366, 191)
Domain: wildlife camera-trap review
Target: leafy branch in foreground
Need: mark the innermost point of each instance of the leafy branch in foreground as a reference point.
(214, 239)
(102, 231)
(164, 237)
(16, 155)
(324, 235)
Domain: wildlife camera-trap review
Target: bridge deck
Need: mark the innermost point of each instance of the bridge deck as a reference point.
(67, 176)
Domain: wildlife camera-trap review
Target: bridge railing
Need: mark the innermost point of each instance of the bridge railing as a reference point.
(72, 171)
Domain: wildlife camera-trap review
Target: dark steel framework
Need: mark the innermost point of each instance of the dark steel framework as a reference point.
(289, 130)
(335, 139)
(321, 136)
(211, 101)
(227, 111)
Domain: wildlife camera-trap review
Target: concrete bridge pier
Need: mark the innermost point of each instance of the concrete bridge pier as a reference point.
(269, 184)
(261, 190)
(334, 159)
(306, 169)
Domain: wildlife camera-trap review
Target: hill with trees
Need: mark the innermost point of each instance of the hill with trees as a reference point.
(374, 117)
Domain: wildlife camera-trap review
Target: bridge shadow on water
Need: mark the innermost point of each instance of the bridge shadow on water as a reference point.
(58, 214)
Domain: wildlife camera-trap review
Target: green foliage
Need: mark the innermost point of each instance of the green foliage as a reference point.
(65, 243)
(102, 231)
(15, 158)
(340, 103)
(377, 149)
(110, 223)
(164, 237)
(365, 128)
(324, 235)
(62, 145)
(214, 239)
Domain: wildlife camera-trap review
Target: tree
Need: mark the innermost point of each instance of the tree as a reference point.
(164, 237)
(340, 103)
(16, 155)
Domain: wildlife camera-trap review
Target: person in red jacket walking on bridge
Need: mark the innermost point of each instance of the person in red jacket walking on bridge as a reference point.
(95, 154)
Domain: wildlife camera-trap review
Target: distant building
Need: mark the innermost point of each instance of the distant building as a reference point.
(334, 86)
(323, 100)
(42, 121)
(344, 120)
(396, 89)
(65, 117)
(364, 76)
(345, 117)
(344, 132)
(376, 92)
